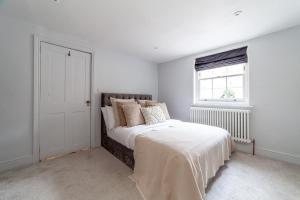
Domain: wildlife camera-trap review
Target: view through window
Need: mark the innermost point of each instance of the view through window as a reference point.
(222, 84)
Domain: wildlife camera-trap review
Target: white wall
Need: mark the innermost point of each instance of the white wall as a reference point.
(114, 72)
(274, 91)
(119, 73)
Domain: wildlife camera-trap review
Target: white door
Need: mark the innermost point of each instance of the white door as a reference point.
(64, 118)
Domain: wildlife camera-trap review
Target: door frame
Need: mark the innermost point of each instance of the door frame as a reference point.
(36, 84)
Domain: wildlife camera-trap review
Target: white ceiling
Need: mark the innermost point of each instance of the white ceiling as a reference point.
(176, 27)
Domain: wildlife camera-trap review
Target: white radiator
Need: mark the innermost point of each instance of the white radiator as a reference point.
(235, 121)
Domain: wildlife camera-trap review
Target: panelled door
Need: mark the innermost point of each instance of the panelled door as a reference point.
(64, 116)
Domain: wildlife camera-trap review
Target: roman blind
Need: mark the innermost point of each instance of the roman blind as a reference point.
(232, 57)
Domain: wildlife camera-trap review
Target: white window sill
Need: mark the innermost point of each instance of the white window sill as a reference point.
(222, 104)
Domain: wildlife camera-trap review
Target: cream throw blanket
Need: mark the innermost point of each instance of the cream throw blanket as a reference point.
(176, 163)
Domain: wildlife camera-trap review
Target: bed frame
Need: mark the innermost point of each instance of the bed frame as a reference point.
(118, 150)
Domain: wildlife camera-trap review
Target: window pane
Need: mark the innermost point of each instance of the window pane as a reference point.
(218, 93)
(235, 81)
(206, 84)
(221, 71)
(219, 86)
(219, 83)
(235, 69)
(237, 92)
(206, 89)
(211, 73)
(206, 94)
(205, 74)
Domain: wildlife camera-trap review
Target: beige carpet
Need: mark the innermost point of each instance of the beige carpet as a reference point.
(98, 175)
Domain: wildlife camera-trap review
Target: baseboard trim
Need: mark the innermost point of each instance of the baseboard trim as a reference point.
(291, 158)
(16, 163)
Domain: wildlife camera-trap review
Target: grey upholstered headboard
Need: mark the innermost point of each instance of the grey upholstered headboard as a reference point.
(105, 101)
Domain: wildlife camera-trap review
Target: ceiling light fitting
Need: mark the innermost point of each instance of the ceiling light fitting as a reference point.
(237, 13)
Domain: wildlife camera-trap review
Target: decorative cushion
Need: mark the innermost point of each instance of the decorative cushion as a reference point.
(115, 108)
(143, 103)
(133, 115)
(153, 115)
(163, 106)
(121, 114)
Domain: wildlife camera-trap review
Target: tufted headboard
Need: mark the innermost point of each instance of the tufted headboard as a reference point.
(105, 101)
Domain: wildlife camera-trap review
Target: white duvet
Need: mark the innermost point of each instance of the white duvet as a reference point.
(174, 160)
(126, 136)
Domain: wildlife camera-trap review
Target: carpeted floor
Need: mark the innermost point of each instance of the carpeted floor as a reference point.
(98, 175)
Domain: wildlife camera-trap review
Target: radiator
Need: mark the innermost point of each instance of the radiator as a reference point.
(235, 121)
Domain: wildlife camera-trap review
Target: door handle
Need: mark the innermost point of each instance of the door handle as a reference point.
(88, 102)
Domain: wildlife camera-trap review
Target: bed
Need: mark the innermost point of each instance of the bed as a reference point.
(171, 160)
(117, 149)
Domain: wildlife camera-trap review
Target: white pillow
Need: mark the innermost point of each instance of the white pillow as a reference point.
(104, 112)
(111, 120)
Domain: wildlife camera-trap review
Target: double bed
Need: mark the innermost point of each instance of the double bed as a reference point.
(116, 148)
(171, 160)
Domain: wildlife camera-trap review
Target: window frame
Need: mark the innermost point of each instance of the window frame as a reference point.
(234, 102)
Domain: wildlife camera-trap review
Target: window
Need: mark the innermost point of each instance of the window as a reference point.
(222, 77)
(227, 83)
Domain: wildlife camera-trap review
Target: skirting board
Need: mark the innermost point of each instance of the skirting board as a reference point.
(295, 159)
(276, 155)
(16, 163)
